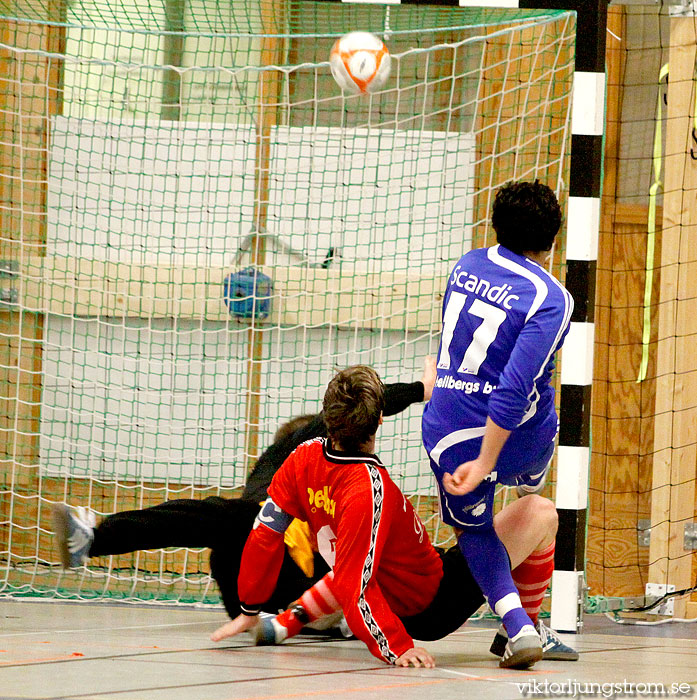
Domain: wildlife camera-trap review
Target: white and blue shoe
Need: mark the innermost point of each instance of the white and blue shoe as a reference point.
(74, 530)
(267, 632)
(553, 649)
(523, 650)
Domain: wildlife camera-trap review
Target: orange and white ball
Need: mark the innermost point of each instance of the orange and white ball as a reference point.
(360, 62)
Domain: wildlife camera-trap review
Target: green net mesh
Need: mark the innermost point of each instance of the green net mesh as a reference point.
(154, 158)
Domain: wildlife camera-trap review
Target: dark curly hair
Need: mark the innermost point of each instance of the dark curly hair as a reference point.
(353, 404)
(526, 216)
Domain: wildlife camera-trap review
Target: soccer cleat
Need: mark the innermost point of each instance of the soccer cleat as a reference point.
(523, 650)
(74, 530)
(267, 631)
(553, 649)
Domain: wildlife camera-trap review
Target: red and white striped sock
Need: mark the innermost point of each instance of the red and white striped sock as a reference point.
(316, 602)
(532, 578)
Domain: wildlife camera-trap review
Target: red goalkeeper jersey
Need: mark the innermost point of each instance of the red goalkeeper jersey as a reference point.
(384, 565)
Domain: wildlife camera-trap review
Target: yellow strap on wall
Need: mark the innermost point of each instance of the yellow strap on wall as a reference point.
(651, 238)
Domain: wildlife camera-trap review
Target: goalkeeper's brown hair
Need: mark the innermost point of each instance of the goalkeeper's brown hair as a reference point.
(352, 407)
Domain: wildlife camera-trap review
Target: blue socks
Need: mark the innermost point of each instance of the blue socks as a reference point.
(488, 561)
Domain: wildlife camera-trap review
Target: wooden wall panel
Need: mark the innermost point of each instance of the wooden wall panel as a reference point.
(622, 421)
(621, 437)
(643, 433)
(28, 96)
(675, 469)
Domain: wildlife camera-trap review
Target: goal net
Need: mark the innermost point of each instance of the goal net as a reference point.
(198, 228)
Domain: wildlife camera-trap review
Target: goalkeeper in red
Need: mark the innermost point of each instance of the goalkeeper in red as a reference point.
(342, 490)
(491, 417)
(392, 584)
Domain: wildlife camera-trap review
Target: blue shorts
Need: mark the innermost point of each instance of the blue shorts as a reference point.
(475, 509)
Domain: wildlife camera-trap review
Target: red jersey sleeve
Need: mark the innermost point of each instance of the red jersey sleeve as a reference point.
(259, 568)
(263, 552)
(363, 529)
(284, 485)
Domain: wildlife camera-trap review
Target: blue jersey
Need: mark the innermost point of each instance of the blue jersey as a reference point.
(504, 317)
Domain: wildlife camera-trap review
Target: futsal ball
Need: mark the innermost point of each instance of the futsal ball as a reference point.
(360, 62)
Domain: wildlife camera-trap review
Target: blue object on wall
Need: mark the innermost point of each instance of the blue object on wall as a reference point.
(247, 293)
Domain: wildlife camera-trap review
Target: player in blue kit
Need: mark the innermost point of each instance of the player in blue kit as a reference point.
(491, 417)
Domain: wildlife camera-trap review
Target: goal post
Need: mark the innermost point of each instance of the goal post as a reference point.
(144, 178)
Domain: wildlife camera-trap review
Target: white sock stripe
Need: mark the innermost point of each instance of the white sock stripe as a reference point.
(322, 590)
(542, 586)
(308, 602)
(509, 602)
(540, 561)
(546, 550)
(531, 599)
(545, 563)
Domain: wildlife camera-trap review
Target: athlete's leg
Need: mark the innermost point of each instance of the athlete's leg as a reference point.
(487, 559)
(179, 523)
(526, 525)
(528, 528)
(315, 603)
(472, 516)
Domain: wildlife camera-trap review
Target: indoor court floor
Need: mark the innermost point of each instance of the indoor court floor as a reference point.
(128, 652)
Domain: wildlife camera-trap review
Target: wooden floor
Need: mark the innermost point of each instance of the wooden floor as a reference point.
(125, 652)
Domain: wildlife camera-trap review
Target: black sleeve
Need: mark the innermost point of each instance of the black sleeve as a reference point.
(272, 458)
(400, 396)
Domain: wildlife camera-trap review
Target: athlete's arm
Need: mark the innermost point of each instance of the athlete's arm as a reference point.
(262, 557)
(263, 552)
(259, 568)
(399, 396)
(469, 475)
(538, 340)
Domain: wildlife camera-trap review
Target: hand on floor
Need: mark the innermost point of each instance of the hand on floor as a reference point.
(417, 657)
(241, 623)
